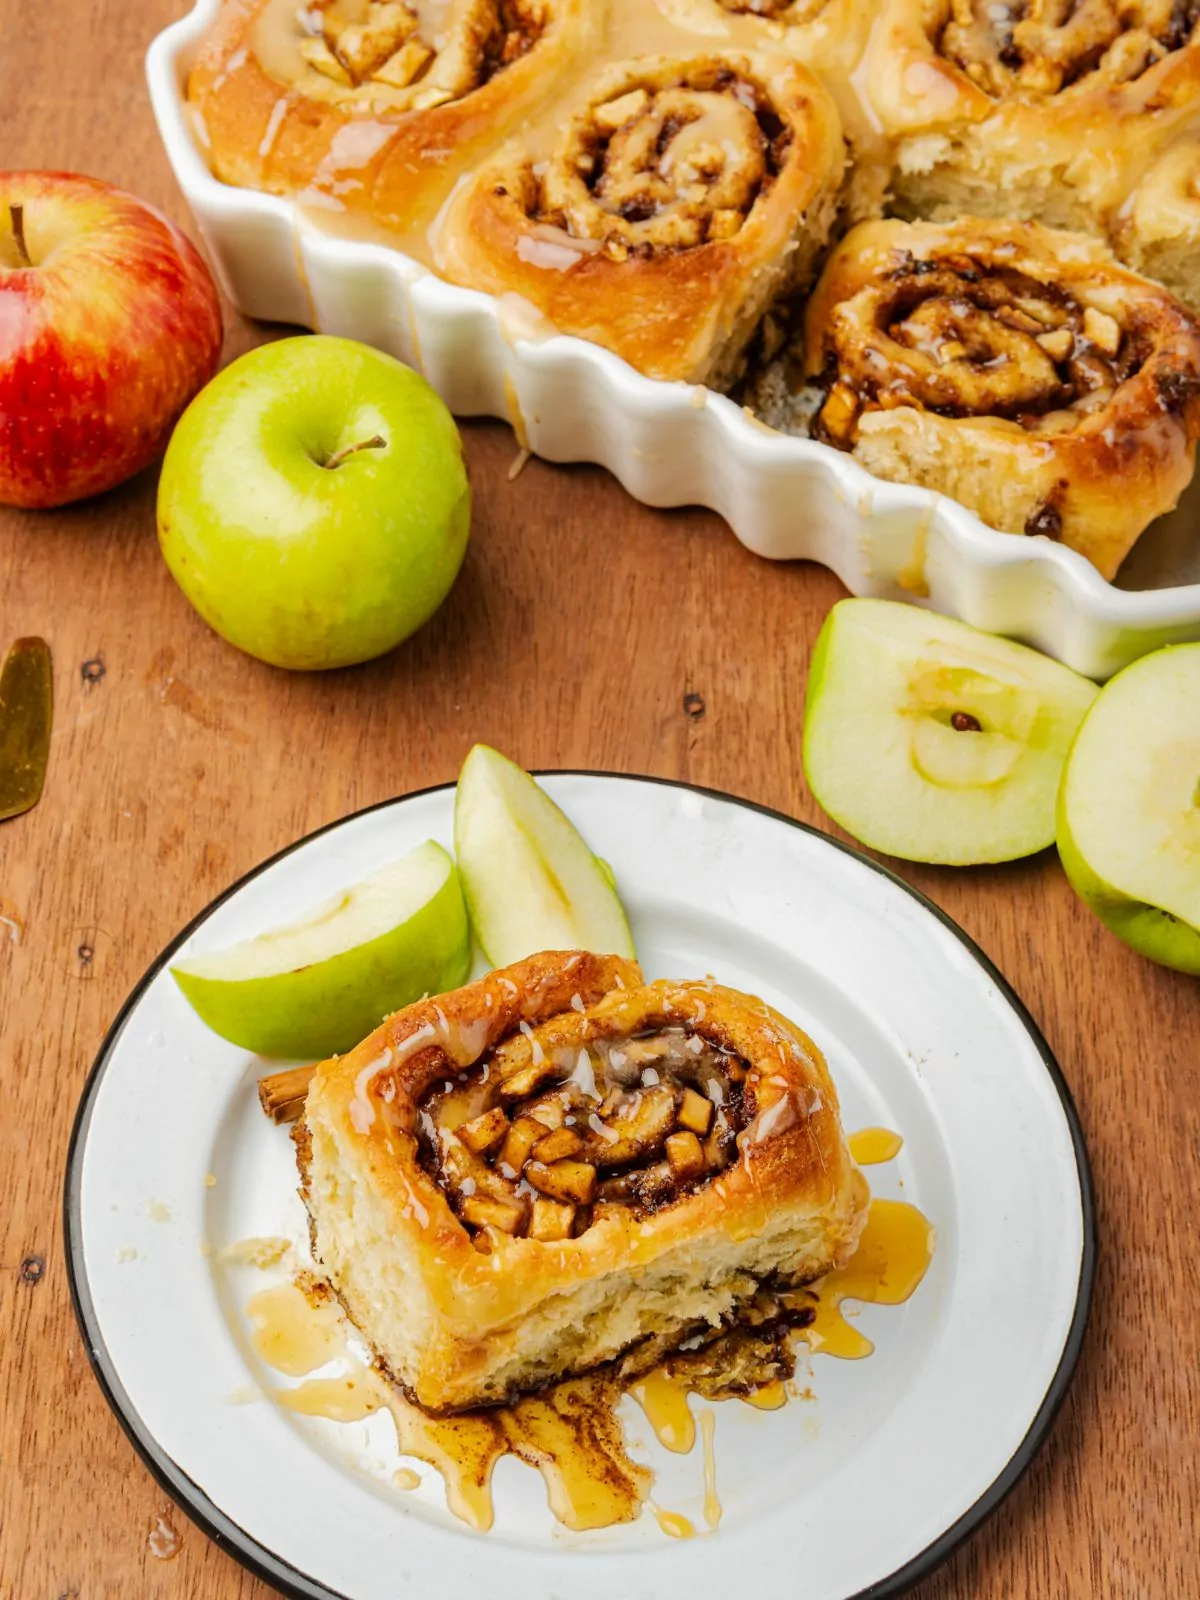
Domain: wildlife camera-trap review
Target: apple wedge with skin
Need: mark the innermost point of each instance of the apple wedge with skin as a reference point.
(530, 881)
(932, 741)
(320, 985)
(1129, 807)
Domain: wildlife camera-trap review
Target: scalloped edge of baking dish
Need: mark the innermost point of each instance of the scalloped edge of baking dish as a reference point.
(668, 444)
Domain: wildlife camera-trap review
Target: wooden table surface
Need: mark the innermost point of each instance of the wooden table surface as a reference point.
(580, 623)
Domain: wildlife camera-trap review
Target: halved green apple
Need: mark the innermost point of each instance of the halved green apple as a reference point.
(530, 881)
(1129, 807)
(323, 983)
(932, 741)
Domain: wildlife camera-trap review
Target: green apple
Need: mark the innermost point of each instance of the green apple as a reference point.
(314, 504)
(932, 741)
(530, 881)
(323, 983)
(1129, 807)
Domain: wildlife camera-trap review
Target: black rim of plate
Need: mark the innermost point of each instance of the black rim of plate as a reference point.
(274, 1569)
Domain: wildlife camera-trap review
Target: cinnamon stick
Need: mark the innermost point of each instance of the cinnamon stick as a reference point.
(282, 1094)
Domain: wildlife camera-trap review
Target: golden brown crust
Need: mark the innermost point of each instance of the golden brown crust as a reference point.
(1019, 369)
(377, 145)
(675, 207)
(460, 1326)
(1041, 110)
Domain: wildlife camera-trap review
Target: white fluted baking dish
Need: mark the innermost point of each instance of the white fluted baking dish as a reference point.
(673, 444)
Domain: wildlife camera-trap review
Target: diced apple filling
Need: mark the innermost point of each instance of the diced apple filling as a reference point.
(382, 45)
(569, 1134)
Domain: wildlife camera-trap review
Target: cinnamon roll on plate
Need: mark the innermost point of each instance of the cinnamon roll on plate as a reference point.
(558, 1165)
(1157, 230)
(680, 202)
(376, 106)
(1043, 109)
(1020, 370)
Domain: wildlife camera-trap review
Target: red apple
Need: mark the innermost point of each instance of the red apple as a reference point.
(109, 324)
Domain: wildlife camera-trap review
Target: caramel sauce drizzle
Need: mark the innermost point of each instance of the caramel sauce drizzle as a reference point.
(570, 1432)
(713, 1511)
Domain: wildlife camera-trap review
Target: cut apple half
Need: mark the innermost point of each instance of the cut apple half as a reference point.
(530, 881)
(932, 741)
(321, 984)
(1129, 807)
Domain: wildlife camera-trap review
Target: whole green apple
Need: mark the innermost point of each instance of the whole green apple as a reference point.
(314, 504)
(1129, 807)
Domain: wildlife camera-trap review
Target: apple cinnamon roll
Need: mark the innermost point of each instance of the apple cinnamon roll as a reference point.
(1020, 370)
(376, 106)
(665, 218)
(1157, 230)
(1043, 109)
(559, 1165)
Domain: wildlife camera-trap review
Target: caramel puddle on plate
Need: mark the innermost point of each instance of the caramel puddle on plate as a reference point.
(871, 1145)
(290, 1333)
(570, 1432)
(673, 1523)
(893, 1256)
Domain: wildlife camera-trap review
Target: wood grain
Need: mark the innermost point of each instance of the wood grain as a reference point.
(579, 625)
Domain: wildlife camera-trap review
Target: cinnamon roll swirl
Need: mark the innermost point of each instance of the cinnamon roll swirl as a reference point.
(376, 106)
(558, 1165)
(1044, 109)
(1018, 369)
(1157, 230)
(680, 202)
(829, 37)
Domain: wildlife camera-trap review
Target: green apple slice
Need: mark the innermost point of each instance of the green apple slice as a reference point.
(323, 983)
(932, 741)
(530, 881)
(1129, 807)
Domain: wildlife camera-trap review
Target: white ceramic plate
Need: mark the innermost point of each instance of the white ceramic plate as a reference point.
(673, 444)
(856, 1492)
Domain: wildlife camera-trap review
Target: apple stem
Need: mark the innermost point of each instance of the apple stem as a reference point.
(376, 442)
(16, 215)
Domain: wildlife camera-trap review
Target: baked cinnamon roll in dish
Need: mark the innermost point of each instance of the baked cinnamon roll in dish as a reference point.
(558, 1165)
(1157, 230)
(1042, 109)
(666, 216)
(1018, 369)
(375, 106)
